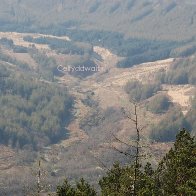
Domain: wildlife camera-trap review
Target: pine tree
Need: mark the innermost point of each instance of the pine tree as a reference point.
(118, 181)
(147, 182)
(82, 189)
(65, 189)
(177, 170)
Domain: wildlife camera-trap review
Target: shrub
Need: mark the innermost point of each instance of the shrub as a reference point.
(169, 126)
(139, 92)
(159, 104)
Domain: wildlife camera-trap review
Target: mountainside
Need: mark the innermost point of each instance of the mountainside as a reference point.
(37, 112)
(73, 73)
(152, 19)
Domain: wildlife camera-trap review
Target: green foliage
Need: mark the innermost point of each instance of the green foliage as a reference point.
(181, 72)
(65, 189)
(168, 127)
(159, 104)
(82, 188)
(8, 43)
(190, 117)
(16, 17)
(61, 46)
(8, 59)
(147, 182)
(118, 181)
(148, 55)
(175, 175)
(82, 67)
(185, 50)
(32, 113)
(20, 49)
(139, 92)
(4, 72)
(136, 51)
(177, 170)
(47, 65)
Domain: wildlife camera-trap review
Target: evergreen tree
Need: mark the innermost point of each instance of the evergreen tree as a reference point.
(65, 189)
(82, 189)
(118, 181)
(175, 175)
(177, 170)
(147, 182)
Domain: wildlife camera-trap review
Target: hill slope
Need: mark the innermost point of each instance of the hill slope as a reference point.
(98, 99)
(154, 19)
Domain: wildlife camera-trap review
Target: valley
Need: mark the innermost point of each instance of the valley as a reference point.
(98, 99)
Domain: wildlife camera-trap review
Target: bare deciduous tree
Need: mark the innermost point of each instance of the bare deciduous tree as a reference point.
(137, 155)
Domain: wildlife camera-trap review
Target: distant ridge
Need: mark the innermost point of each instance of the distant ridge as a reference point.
(151, 19)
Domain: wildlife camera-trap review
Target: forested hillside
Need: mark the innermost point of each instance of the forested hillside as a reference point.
(32, 113)
(136, 30)
(84, 84)
(144, 19)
